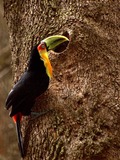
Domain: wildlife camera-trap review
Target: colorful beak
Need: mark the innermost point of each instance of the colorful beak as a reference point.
(53, 41)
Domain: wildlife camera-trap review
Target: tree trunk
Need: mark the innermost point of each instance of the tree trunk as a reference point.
(84, 94)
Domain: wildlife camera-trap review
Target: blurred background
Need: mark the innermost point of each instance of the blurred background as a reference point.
(8, 140)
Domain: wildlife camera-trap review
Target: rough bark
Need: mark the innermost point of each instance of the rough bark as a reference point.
(84, 122)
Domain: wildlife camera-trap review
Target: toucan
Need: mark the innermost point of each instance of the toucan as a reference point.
(33, 82)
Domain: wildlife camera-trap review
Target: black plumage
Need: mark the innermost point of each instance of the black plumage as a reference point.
(32, 83)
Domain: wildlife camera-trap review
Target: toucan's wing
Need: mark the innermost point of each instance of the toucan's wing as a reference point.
(26, 90)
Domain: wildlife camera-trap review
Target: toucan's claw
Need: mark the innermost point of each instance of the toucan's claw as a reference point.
(35, 115)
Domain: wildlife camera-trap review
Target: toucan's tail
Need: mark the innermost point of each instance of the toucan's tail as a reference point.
(17, 119)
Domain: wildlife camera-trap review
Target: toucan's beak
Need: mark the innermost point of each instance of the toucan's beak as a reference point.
(54, 41)
(50, 43)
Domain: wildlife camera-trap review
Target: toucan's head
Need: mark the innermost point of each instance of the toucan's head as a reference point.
(49, 43)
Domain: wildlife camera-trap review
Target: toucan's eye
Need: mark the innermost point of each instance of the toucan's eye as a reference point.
(42, 46)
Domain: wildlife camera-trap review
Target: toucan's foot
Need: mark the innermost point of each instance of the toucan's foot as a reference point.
(35, 115)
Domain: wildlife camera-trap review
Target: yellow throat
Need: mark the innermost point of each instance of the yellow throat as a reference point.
(47, 64)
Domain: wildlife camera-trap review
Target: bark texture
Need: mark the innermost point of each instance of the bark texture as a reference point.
(84, 121)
